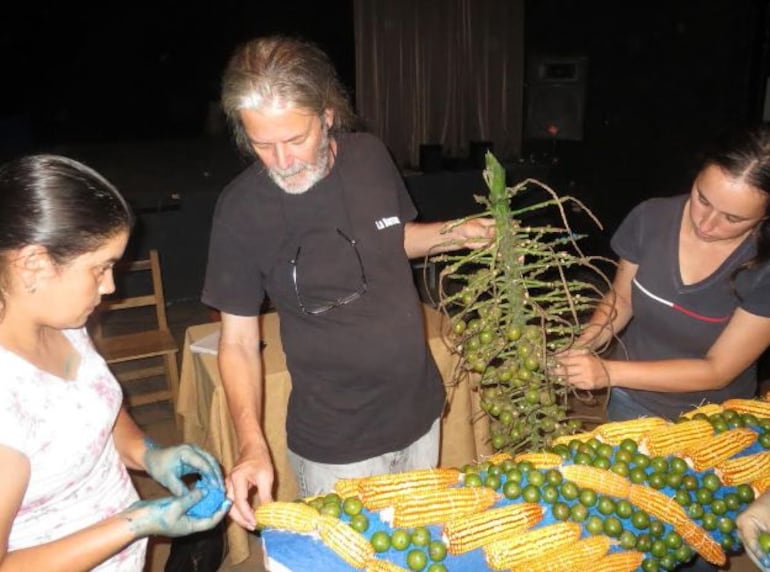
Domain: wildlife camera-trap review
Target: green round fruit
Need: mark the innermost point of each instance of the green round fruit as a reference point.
(421, 536)
(380, 541)
(416, 559)
(331, 509)
(400, 539)
(561, 510)
(512, 490)
(352, 506)
(437, 551)
(594, 525)
(578, 512)
(359, 522)
(764, 541)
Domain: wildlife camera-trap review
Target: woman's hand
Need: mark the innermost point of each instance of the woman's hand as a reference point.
(582, 369)
(168, 465)
(752, 521)
(168, 516)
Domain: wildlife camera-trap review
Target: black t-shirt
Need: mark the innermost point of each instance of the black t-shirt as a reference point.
(364, 381)
(676, 321)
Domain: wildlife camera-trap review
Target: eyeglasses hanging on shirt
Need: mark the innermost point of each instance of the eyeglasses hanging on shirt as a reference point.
(312, 304)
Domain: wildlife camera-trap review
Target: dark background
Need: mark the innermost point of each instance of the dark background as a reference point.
(88, 72)
(130, 87)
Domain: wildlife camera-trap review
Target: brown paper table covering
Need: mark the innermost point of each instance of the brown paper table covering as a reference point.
(206, 420)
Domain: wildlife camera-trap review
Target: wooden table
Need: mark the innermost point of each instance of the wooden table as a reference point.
(206, 419)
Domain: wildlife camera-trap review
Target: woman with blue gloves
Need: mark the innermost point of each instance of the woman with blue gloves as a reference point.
(66, 442)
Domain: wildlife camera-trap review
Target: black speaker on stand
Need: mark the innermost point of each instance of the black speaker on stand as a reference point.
(555, 97)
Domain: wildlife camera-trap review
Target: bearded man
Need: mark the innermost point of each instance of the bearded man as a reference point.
(322, 224)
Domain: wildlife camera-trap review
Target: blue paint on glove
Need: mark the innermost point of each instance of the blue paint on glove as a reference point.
(210, 503)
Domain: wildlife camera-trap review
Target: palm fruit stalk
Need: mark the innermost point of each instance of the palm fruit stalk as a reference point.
(513, 304)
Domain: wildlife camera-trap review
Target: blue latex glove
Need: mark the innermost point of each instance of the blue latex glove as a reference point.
(752, 521)
(168, 465)
(210, 503)
(169, 516)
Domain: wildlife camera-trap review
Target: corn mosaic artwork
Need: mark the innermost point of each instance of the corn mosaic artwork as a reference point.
(628, 497)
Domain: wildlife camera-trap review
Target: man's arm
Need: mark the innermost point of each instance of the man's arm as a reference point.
(423, 238)
(240, 367)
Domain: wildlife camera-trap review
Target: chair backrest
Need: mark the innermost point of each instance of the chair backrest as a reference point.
(128, 278)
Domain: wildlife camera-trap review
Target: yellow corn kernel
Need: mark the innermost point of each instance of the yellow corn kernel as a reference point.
(602, 481)
(512, 552)
(619, 562)
(705, 409)
(700, 541)
(657, 504)
(718, 448)
(581, 556)
(349, 544)
(375, 565)
(677, 437)
(475, 530)
(758, 407)
(291, 516)
(435, 506)
(567, 439)
(743, 470)
(615, 431)
(540, 460)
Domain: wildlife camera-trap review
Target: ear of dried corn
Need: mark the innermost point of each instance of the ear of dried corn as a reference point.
(657, 504)
(540, 460)
(705, 409)
(347, 487)
(615, 431)
(582, 555)
(760, 485)
(382, 490)
(718, 448)
(744, 470)
(376, 565)
(498, 458)
(475, 530)
(435, 506)
(701, 542)
(619, 562)
(349, 544)
(290, 516)
(602, 481)
(567, 439)
(758, 407)
(677, 437)
(512, 552)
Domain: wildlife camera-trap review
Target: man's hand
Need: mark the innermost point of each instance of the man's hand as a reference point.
(475, 232)
(254, 469)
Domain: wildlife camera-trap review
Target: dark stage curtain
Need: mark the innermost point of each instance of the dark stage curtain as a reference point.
(441, 71)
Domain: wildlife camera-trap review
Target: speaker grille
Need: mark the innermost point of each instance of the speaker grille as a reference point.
(555, 98)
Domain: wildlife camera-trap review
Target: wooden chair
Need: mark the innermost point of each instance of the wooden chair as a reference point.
(153, 348)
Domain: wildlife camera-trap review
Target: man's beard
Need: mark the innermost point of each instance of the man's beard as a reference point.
(301, 176)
